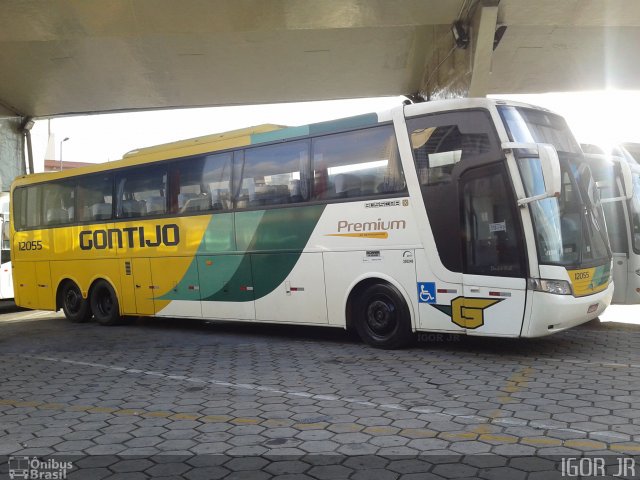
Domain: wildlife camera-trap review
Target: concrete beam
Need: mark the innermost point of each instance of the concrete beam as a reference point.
(487, 20)
(454, 71)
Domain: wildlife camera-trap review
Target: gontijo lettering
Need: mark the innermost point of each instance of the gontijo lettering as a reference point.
(130, 237)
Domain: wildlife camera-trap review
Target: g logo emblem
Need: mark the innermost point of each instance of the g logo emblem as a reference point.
(469, 312)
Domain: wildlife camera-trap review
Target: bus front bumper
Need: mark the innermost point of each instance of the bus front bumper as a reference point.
(553, 313)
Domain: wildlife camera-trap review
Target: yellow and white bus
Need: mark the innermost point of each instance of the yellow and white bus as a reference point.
(460, 216)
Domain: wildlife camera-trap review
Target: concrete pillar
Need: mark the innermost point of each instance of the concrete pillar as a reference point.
(12, 161)
(454, 72)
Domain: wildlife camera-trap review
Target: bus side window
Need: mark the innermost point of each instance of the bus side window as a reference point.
(437, 150)
(58, 202)
(361, 163)
(142, 192)
(20, 207)
(273, 175)
(94, 198)
(201, 184)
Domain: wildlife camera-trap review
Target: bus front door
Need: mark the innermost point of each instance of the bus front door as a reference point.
(493, 253)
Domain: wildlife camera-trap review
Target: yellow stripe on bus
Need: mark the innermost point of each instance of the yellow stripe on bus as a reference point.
(360, 235)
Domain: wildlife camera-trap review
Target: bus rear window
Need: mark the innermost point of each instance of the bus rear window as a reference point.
(26, 209)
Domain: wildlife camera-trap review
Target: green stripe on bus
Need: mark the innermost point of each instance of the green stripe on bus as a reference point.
(321, 128)
(288, 132)
(275, 238)
(368, 119)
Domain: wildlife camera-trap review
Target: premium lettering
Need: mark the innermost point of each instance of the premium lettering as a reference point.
(130, 237)
(345, 226)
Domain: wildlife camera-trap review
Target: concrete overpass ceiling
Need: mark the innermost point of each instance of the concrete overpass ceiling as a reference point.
(96, 55)
(75, 56)
(567, 45)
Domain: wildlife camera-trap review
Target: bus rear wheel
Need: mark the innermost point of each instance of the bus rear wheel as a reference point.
(75, 307)
(382, 317)
(104, 303)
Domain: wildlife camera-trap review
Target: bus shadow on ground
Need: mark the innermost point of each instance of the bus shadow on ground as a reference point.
(9, 306)
(250, 330)
(518, 347)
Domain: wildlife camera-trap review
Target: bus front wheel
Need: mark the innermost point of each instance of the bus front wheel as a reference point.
(75, 308)
(382, 317)
(104, 303)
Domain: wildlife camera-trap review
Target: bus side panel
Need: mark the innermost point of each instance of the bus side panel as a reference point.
(127, 296)
(172, 285)
(29, 247)
(226, 287)
(24, 278)
(46, 294)
(300, 298)
(84, 273)
(143, 286)
(343, 270)
(438, 300)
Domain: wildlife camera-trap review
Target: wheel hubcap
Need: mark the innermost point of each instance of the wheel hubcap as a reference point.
(381, 317)
(73, 300)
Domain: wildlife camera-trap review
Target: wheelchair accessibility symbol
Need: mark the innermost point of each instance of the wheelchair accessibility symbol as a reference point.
(426, 292)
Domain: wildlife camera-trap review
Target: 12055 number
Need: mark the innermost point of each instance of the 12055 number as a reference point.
(32, 245)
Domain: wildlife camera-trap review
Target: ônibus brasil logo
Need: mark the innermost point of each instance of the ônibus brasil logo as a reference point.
(34, 468)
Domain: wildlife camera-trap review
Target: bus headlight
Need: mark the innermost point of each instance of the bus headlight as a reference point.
(557, 287)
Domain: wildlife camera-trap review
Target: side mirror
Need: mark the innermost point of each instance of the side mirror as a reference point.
(550, 169)
(626, 181)
(549, 164)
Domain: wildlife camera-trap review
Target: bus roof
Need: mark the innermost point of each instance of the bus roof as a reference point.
(209, 143)
(256, 135)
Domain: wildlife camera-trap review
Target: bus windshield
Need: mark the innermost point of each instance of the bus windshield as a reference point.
(570, 230)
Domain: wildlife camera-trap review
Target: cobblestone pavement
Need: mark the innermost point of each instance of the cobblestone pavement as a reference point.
(183, 399)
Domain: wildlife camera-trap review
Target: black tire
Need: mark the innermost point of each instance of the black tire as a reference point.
(75, 308)
(104, 304)
(382, 317)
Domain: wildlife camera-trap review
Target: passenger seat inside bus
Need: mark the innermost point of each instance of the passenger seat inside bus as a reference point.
(193, 202)
(156, 205)
(55, 216)
(294, 191)
(132, 208)
(100, 211)
(347, 185)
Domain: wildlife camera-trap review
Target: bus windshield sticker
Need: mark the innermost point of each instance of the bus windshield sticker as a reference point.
(498, 227)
